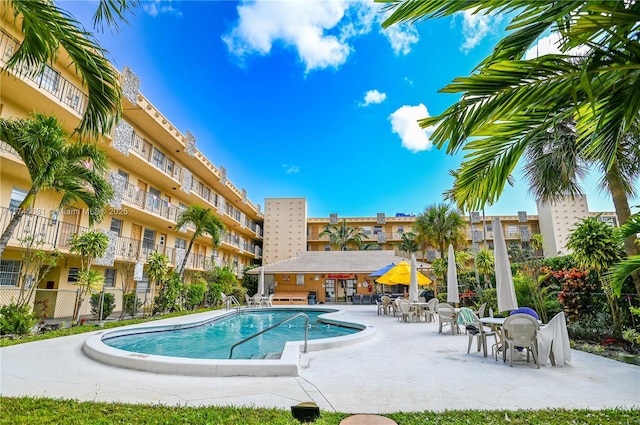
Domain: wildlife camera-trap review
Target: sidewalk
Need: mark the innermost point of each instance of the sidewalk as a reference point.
(405, 367)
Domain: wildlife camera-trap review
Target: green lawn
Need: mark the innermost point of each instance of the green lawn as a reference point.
(42, 411)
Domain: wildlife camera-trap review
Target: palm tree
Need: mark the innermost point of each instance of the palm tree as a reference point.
(630, 265)
(73, 170)
(554, 166)
(440, 225)
(205, 222)
(88, 246)
(509, 102)
(341, 236)
(47, 29)
(409, 243)
(485, 262)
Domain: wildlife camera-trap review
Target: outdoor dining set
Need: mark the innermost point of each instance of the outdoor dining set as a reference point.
(519, 334)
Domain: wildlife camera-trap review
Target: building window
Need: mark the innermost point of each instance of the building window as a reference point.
(158, 159)
(110, 278)
(116, 226)
(73, 274)
(400, 229)
(17, 196)
(9, 272)
(377, 230)
(50, 79)
(182, 244)
(366, 230)
(149, 238)
(124, 174)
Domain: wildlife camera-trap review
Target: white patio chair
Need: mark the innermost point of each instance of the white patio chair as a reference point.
(446, 316)
(477, 330)
(520, 330)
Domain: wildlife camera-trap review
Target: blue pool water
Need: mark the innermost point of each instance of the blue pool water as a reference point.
(214, 339)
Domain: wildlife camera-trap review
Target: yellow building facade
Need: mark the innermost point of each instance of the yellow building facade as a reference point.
(156, 171)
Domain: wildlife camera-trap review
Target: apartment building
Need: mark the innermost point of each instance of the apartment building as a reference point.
(554, 222)
(156, 171)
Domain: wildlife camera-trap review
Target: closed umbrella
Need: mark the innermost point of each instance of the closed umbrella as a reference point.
(261, 282)
(452, 278)
(506, 292)
(413, 285)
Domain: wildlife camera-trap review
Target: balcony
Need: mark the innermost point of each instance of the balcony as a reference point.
(146, 151)
(149, 202)
(48, 80)
(45, 233)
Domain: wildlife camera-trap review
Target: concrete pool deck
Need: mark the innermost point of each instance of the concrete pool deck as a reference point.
(404, 367)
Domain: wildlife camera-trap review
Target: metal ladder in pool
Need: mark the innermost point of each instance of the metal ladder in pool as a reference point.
(306, 332)
(231, 300)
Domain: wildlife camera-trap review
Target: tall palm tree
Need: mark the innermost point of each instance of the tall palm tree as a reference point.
(554, 166)
(47, 29)
(205, 222)
(630, 265)
(509, 102)
(440, 225)
(73, 170)
(342, 235)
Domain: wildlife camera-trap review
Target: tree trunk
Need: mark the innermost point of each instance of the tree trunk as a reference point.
(186, 256)
(621, 204)
(11, 227)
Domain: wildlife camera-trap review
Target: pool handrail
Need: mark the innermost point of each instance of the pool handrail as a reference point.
(306, 332)
(229, 300)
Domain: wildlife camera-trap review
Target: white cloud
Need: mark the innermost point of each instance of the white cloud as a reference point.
(373, 97)
(291, 169)
(404, 122)
(549, 45)
(401, 37)
(155, 7)
(318, 31)
(475, 27)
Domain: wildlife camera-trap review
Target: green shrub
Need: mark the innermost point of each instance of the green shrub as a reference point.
(194, 295)
(168, 296)
(131, 303)
(108, 304)
(213, 297)
(16, 320)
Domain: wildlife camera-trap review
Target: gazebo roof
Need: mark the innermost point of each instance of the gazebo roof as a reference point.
(334, 262)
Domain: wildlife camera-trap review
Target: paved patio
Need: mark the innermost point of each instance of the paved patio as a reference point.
(405, 367)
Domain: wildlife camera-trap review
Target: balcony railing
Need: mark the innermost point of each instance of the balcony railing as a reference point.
(150, 202)
(145, 150)
(45, 233)
(48, 80)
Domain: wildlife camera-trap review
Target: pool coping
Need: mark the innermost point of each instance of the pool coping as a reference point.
(287, 365)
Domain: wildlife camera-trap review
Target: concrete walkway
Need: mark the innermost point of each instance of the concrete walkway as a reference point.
(405, 367)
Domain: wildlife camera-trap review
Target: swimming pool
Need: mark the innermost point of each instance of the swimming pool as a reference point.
(215, 338)
(174, 348)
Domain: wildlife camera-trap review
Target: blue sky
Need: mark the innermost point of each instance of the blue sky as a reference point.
(311, 98)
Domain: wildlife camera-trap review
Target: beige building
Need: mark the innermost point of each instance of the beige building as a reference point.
(286, 235)
(384, 232)
(157, 171)
(557, 220)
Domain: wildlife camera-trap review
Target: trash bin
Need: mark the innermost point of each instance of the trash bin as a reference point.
(311, 298)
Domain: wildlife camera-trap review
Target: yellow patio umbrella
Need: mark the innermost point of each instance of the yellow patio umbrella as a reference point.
(400, 274)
